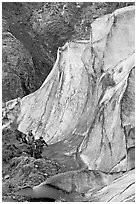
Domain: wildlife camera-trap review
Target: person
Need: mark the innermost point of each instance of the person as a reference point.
(30, 137)
(30, 142)
(24, 140)
(39, 144)
(43, 141)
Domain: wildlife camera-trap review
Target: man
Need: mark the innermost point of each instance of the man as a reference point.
(30, 137)
(39, 144)
(24, 140)
(31, 147)
(43, 141)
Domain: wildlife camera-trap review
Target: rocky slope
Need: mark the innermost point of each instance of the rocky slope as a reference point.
(85, 108)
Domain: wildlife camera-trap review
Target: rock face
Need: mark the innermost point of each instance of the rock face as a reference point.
(16, 66)
(86, 104)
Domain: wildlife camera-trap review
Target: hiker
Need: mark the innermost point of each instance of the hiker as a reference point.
(43, 141)
(39, 144)
(30, 142)
(30, 137)
(24, 140)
